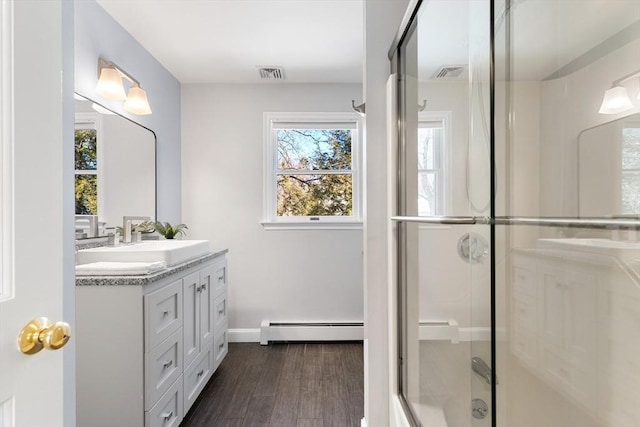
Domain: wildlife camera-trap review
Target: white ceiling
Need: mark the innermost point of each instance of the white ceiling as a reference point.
(321, 41)
(224, 40)
(545, 35)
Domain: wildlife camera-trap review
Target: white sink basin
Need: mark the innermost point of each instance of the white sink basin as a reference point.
(172, 252)
(622, 249)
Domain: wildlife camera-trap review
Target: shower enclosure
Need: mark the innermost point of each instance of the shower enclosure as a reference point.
(517, 212)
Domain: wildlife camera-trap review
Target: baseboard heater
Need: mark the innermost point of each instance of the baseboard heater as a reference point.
(439, 330)
(310, 331)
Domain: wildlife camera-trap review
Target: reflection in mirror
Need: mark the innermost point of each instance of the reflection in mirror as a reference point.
(115, 169)
(613, 151)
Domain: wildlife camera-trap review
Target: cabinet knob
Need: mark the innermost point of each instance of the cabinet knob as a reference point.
(41, 333)
(167, 415)
(166, 364)
(200, 373)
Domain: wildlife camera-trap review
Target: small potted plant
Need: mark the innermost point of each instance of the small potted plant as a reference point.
(170, 231)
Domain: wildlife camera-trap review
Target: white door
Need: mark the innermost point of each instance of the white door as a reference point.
(37, 240)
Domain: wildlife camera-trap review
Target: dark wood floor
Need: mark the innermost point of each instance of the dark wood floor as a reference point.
(284, 385)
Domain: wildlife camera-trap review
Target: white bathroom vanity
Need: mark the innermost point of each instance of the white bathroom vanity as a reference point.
(148, 344)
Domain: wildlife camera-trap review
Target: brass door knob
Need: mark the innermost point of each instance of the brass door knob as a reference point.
(42, 333)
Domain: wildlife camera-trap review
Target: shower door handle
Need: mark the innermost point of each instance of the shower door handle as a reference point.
(442, 219)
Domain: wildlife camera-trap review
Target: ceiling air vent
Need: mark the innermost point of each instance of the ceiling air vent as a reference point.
(271, 73)
(449, 72)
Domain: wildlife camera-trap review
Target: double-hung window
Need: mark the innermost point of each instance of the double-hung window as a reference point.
(312, 176)
(87, 165)
(433, 129)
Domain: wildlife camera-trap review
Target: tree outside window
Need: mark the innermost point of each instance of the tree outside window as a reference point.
(311, 170)
(86, 169)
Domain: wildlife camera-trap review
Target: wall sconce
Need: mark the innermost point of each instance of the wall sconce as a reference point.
(110, 86)
(616, 100)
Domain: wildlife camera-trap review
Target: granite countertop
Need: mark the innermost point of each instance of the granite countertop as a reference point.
(146, 279)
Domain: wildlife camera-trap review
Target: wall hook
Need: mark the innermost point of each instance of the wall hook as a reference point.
(423, 106)
(358, 108)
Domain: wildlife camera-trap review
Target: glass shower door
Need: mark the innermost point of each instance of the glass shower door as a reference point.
(444, 253)
(568, 277)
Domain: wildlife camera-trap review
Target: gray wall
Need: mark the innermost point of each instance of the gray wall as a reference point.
(97, 34)
(276, 275)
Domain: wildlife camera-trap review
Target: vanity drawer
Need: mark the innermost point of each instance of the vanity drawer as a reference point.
(196, 377)
(219, 277)
(220, 346)
(162, 367)
(220, 311)
(163, 314)
(168, 411)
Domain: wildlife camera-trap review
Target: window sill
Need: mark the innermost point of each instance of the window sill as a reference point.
(307, 225)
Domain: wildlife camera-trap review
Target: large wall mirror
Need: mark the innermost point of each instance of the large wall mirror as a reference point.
(115, 169)
(609, 169)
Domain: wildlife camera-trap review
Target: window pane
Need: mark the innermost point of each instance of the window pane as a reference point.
(86, 195)
(314, 149)
(427, 194)
(429, 140)
(86, 149)
(630, 192)
(631, 148)
(315, 195)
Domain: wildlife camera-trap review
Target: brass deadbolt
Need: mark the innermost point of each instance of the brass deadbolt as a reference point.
(42, 333)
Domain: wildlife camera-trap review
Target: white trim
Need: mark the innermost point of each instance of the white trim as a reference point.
(363, 423)
(271, 120)
(446, 155)
(7, 140)
(243, 335)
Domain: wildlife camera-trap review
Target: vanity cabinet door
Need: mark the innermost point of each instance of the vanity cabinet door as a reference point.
(206, 307)
(191, 328)
(198, 313)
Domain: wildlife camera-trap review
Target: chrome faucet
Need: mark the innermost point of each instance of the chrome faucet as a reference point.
(481, 368)
(126, 226)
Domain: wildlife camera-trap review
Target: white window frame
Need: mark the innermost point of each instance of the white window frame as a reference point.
(443, 189)
(91, 121)
(271, 220)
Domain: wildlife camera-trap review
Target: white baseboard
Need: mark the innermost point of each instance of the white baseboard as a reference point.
(310, 331)
(243, 335)
(363, 423)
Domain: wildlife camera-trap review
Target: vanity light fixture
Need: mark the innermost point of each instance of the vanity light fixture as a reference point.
(110, 86)
(110, 83)
(616, 99)
(136, 102)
